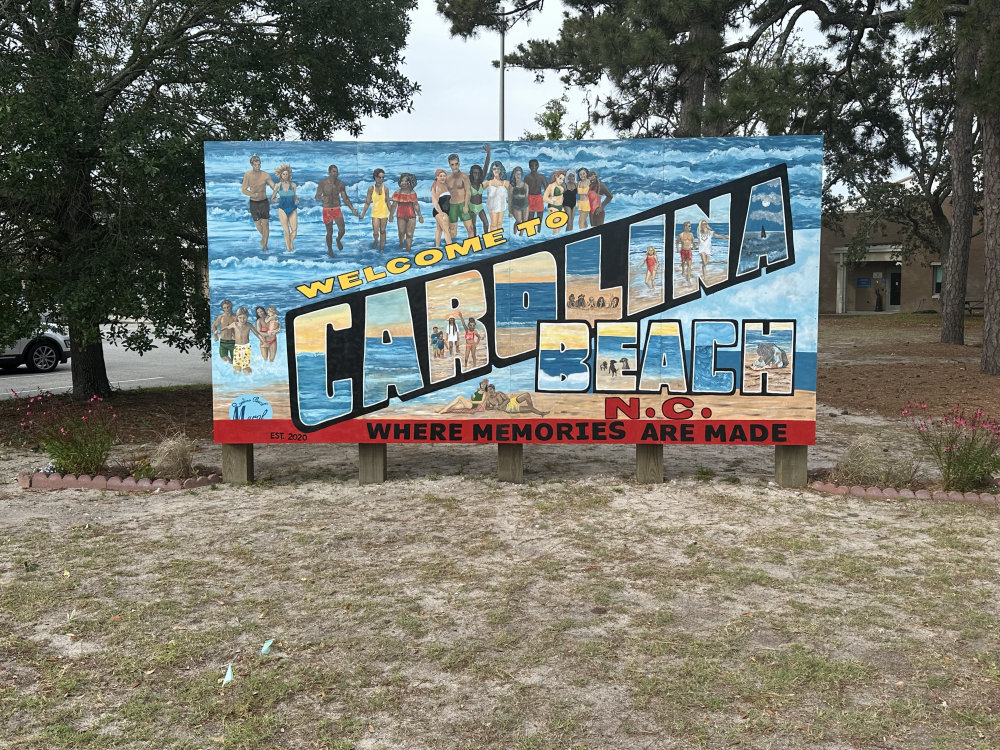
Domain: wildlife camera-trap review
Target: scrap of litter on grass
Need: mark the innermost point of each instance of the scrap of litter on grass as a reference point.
(229, 676)
(267, 647)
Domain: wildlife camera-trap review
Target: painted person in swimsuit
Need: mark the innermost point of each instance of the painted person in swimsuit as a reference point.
(477, 205)
(222, 322)
(536, 183)
(441, 201)
(514, 403)
(476, 403)
(260, 312)
(241, 330)
(378, 199)
(435, 340)
(288, 202)
(451, 335)
(553, 196)
(518, 198)
(472, 339)
(461, 191)
(604, 196)
(705, 236)
(255, 184)
(497, 195)
(569, 198)
(406, 209)
(651, 262)
(331, 190)
(684, 245)
(582, 201)
(269, 334)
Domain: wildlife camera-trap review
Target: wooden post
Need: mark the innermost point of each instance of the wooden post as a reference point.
(791, 464)
(237, 463)
(510, 462)
(372, 463)
(649, 463)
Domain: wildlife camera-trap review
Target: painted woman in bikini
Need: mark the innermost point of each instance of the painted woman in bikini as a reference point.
(269, 335)
(406, 208)
(472, 339)
(553, 195)
(463, 404)
(260, 323)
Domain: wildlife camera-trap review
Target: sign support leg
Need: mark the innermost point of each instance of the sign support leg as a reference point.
(237, 463)
(510, 462)
(649, 463)
(791, 463)
(372, 463)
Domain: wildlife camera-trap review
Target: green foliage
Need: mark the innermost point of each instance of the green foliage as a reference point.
(550, 119)
(103, 108)
(965, 448)
(138, 465)
(77, 439)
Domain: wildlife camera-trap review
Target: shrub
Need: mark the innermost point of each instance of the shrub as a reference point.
(868, 462)
(137, 465)
(76, 438)
(174, 456)
(965, 448)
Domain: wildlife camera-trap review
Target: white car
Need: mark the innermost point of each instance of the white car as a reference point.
(43, 352)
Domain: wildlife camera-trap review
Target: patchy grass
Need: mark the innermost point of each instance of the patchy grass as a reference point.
(448, 614)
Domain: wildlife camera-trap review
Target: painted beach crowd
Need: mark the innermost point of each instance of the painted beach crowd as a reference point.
(486, 195)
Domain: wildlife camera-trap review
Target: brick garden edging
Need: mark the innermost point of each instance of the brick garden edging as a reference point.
(41, 481)
(889, 493)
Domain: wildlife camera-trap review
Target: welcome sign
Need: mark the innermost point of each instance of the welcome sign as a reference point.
(633, 291)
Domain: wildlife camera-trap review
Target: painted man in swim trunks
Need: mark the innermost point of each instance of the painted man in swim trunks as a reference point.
(220, 324)
(536, 182)
(330, 191)
(685, 245)
(255, 184)
(460, 188)
(241, 329)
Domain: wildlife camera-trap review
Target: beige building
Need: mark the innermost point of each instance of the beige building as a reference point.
(882, 280)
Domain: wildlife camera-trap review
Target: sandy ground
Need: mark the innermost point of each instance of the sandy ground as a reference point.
(445, 609)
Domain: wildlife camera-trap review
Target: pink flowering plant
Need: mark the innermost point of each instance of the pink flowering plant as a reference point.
(965, 447)
(77, 438)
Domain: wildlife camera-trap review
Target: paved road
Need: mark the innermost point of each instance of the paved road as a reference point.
(160, 367)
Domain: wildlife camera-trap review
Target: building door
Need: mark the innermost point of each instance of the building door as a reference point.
(895, 288)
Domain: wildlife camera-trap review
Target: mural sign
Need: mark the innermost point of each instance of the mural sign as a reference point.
(633, 291)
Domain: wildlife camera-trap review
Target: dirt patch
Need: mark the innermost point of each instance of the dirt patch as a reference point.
(879, 363)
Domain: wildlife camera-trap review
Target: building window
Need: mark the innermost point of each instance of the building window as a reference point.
(936, 280)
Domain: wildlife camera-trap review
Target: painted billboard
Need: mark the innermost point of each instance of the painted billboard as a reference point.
(631, 291)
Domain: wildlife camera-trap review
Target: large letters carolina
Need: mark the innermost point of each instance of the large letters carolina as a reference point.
(567, 351)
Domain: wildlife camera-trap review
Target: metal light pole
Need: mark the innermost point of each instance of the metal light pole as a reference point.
(506, 19)
(503, 69)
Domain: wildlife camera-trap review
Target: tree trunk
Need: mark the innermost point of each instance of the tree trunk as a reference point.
(955, 266)
(693, 80)
(90, 375)
(991, 228)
